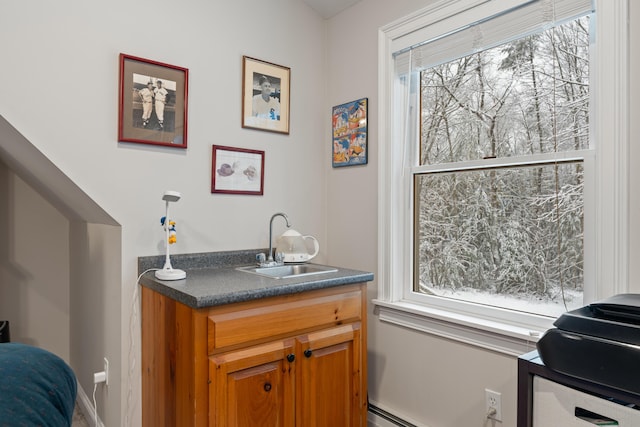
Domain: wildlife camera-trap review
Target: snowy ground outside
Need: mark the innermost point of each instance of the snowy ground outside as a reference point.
(552, 308)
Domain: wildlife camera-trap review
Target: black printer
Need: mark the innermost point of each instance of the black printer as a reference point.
(598, 343)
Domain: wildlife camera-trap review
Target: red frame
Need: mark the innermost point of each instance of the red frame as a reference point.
(128, 128)
(227, 165)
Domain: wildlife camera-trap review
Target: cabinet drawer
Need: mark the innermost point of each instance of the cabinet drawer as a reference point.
(558, 405)
(280, 317)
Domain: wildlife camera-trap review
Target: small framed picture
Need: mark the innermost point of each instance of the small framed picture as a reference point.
(265, 95)
(237, 171)
(349, 130)
(153, 102)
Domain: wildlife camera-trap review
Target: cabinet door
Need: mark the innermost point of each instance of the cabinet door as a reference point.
(329, 378)
(253, 387)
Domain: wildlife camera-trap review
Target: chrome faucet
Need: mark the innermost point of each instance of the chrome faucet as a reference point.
(270, 262)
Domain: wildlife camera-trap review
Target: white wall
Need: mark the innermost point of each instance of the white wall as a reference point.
(61, 93)
(34, 267)
(59, 90)
(429, 380)
(634, 158)
(97, 310)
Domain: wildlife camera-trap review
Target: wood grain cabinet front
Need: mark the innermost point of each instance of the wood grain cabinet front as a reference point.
(253, 386)
(294, 360)
(329, 382)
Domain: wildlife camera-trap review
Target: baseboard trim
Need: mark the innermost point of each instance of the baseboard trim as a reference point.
(86, 406)
(380, 418)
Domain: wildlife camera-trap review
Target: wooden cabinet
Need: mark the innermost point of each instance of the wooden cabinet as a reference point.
(253, 387)
(328, 383)
(294, 360)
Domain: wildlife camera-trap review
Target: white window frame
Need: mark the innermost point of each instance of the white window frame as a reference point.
(606, 195)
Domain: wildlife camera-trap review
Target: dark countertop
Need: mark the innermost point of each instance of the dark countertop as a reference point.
(212, 279)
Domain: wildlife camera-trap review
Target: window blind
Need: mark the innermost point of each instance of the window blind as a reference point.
(502, 27)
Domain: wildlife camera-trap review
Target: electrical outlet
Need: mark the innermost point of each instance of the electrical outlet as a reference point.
(493, 401)
(106, 371)
(102, 377)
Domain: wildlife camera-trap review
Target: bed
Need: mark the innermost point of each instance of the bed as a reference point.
(37, 388)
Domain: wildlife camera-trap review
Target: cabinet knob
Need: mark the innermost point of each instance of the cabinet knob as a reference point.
(267, 387)
(291, 357)
(307, 353)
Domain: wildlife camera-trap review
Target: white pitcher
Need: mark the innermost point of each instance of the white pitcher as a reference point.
(293, 246)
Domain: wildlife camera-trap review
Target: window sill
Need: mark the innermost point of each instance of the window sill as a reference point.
(496, 336)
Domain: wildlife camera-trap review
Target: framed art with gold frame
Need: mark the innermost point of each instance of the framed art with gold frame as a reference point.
(265, 95)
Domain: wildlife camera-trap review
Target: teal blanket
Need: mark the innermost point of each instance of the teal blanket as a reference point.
(37, 388)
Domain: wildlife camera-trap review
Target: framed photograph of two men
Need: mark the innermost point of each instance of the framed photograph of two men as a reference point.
(153, 102)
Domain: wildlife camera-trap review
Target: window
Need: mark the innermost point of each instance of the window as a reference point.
(506, 231)
(495, 176)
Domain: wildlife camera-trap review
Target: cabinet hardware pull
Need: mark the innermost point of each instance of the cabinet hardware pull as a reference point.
(593, 418)
(291, 357)
(307, 353)
(267, 387)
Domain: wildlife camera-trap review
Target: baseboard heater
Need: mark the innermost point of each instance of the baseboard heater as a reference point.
(388, 418)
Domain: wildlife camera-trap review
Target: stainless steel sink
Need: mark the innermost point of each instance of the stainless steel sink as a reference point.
(288, 270)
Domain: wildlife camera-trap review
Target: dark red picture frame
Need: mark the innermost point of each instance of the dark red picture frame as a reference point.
(152, 102)
(237, 171)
